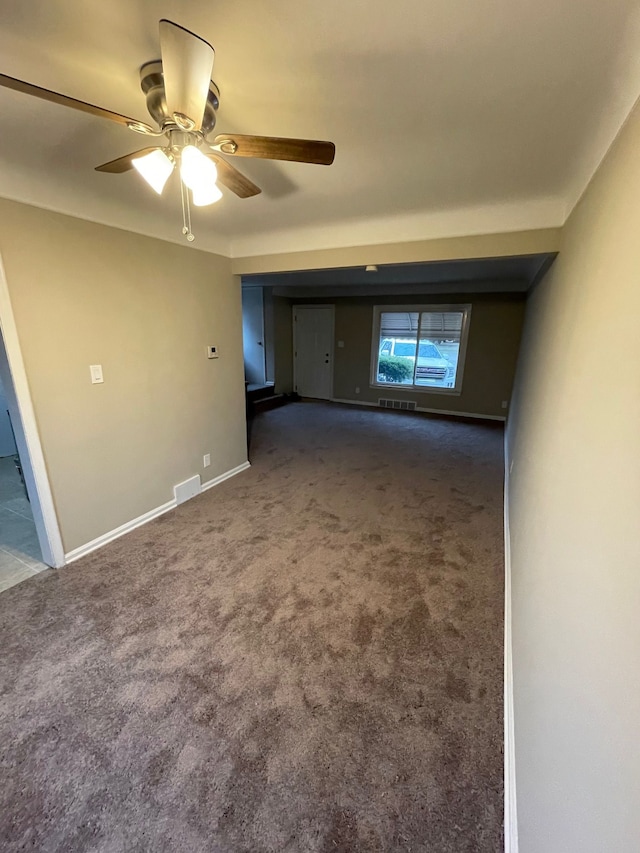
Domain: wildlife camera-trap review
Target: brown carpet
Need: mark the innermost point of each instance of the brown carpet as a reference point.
(306, 658)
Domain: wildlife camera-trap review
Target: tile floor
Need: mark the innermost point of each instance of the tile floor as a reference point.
(20, 556)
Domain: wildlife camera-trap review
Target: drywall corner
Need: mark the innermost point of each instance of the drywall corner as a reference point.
(510, 800)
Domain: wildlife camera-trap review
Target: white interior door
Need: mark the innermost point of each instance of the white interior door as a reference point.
(253, 334)
(313, 351)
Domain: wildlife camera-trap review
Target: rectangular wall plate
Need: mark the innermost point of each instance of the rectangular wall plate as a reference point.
(212, 352)
(96, 374)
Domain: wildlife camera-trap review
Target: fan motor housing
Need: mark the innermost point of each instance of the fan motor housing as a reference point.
(152, 84)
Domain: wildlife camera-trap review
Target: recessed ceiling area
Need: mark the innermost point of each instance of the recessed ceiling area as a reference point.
(448, 118)
(513, 274)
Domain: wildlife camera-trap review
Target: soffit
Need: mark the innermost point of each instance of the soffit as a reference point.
(486, 275)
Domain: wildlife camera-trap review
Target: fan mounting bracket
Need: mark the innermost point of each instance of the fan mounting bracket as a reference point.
(152, 84)
(179, 139)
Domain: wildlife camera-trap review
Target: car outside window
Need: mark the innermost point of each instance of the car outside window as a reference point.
(429, 351)
(401, 349)
(438, 334)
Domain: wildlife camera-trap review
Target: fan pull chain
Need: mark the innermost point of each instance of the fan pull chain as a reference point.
(186, 213)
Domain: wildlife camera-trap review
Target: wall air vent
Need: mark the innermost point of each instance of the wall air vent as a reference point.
(404, 405)
(189, 489)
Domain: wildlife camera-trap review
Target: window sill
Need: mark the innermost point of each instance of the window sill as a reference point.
(416, 389)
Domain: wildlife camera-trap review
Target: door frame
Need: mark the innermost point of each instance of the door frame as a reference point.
(295, 340)
(28, 436)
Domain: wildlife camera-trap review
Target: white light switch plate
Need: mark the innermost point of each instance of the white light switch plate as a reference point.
(96, 374)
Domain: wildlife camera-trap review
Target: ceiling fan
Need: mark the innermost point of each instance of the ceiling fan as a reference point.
(183, 100)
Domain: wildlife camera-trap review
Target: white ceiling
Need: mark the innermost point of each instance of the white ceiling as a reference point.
(449, 117)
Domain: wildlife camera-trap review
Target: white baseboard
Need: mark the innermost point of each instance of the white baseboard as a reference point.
(423, 409)
(88, 547)
(222, 477)
(461, 414)
(354, 402)
(510, 803)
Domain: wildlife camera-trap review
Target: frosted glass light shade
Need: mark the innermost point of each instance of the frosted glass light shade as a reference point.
(199, 174)
(195, 168)
(205, 194)
(155, 168)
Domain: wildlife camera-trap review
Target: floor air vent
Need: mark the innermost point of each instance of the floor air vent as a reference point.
(405, 405)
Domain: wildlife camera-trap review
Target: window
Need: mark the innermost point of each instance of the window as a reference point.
(422, 347)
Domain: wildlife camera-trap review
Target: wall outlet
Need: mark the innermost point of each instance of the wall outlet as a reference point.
(212, 352)
(505, 403)
(357, 389)
(206, 460)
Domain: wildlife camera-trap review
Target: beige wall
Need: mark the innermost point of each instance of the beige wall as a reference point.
(283, 345)
(269, 322)
(494, 337)
(474, 246)
(574, 505)
(278, 341)
(145, 309)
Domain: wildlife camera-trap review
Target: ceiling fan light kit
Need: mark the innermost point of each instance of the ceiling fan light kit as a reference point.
(198, 173)
(155, 168)
(183, 100)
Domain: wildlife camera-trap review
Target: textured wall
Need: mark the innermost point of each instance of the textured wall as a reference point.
(575, 533)
(87, 294)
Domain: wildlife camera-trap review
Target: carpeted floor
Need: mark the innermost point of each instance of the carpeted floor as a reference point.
(306, 658)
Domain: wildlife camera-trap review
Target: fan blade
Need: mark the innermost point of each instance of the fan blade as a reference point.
(187, 65)
(276, 148)
(123, 164)
(65, 101)
(234, 180)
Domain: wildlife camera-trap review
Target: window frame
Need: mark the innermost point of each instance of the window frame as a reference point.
(378, 310)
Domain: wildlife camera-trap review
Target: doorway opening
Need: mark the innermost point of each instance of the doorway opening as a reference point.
(255, 365)
(20, 552)
(257, 345)
(30, 538)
